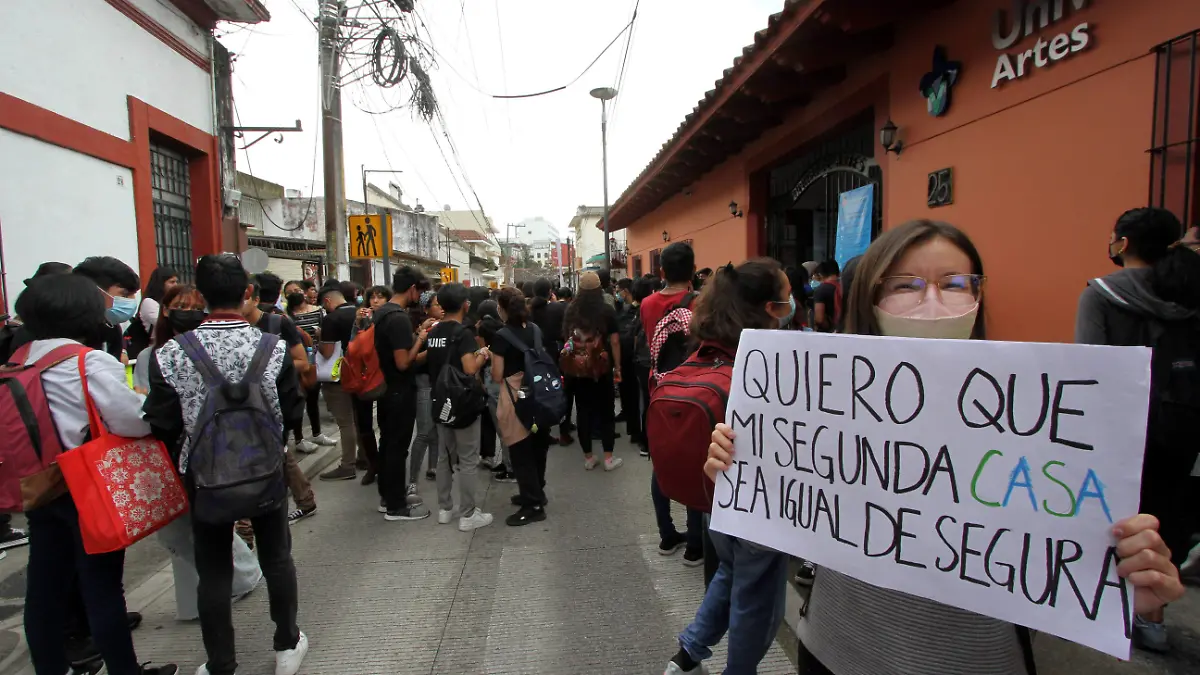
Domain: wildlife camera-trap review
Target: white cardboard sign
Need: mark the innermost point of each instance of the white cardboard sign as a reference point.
(984, 475)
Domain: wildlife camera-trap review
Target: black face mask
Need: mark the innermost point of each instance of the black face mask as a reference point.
(1116, 258)
(184, 320)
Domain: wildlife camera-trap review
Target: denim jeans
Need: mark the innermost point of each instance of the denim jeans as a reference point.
(745, 600)
(426, 440)
(56, 555)
(214, 565)
(666, 526)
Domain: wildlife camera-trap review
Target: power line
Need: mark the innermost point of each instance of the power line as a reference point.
(503, 70)
(619, 84)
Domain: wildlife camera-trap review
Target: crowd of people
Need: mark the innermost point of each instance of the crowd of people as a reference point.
(459, 380)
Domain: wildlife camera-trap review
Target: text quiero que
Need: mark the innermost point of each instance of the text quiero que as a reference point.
(1027, 18)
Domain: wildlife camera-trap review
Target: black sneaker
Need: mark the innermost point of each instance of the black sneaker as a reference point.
(527, 515)
(13, 538)
(504, 477)
(369, 477)
(417, 512)
(134, 619)
(644, 451)
(167, 669)
(301, 514)
(431, 475)
(89, 668)
(671, 544)
(693, 558)
(568, 427)
(565, 439)
(806, 573)
(518, 500)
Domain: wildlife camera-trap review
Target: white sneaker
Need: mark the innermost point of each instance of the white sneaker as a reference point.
(613, 463)
(323, 439)
(288, 662)
(476, 520)
(307, 447)
(589, 463)
(674, 669)
(203, 670)
(444, 517)
(383, 506)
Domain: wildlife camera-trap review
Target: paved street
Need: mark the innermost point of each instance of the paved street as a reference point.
(583, 592)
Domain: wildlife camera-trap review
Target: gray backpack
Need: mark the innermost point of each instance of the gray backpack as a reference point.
(236, 462)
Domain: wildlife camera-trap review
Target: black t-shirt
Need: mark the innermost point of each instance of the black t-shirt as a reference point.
(826, 294)
(338, 325)
(393, 331)
(447, 343)
(549, 318)
(514, 357)
(287, 330)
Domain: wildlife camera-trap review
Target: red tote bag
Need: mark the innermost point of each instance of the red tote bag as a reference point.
(124, 488)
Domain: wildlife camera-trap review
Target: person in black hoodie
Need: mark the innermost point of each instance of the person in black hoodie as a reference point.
(1153, 301)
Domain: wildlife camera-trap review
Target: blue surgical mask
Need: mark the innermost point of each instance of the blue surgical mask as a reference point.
(121, 311)
(814, 283)
(785, 321)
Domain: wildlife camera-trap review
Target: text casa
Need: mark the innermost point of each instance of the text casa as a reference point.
(1026, 18)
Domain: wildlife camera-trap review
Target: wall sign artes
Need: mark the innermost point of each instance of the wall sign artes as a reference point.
(937, 83)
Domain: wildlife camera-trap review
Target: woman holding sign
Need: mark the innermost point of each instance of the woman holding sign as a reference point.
(925, 280)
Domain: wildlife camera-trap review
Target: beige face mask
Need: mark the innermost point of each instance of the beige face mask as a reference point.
(943, 327)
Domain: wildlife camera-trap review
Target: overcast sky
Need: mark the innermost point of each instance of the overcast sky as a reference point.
(529, 157)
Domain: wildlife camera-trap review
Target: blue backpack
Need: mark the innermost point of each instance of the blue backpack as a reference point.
(236, 460)
(541, 401)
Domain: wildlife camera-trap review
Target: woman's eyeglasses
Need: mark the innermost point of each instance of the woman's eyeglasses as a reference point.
(956, 290)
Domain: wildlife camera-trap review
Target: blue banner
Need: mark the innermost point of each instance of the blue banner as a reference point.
(855, 210)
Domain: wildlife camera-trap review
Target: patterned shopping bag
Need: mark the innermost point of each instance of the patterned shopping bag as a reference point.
(124, 488)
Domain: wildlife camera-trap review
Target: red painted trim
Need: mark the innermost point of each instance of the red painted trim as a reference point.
(34, 121)
(203, 173)
(162, 33)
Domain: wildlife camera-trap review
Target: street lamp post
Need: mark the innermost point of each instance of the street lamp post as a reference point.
(605, 94)
(387, 251)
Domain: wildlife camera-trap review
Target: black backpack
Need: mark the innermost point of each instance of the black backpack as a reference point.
(236, 459)
(641, 346)
(1175, 393)
(675, 332)
(541, 402)
(458, 398)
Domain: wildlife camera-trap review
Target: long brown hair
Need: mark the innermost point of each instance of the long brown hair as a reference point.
(735, 299)
(883, 253)
(163, 332)
(587, 312)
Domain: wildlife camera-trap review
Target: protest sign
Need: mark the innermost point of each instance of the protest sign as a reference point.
(984, 475)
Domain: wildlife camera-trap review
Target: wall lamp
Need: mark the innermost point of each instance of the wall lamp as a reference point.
(733, 210)
(887, 138)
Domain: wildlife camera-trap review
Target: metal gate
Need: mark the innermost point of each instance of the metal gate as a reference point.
(802, 222)
(170, 185)
(1174, 160)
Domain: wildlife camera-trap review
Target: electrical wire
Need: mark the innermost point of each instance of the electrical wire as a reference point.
(619, 83)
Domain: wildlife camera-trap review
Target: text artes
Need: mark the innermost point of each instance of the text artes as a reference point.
(984, 475)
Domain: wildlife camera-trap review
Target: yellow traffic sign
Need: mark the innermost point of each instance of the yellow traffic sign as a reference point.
(369, 235)
(449, 274)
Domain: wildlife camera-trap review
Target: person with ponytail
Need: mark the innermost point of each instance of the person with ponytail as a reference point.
(744, 601)
(925, 279)
(1153, 301)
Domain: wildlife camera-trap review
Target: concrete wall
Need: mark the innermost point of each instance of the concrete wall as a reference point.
(1043, 164)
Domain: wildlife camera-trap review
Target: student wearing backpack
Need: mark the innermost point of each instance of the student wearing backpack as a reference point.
(61, 314)
(591, 327)
(307, 317)
(336, 329)
(398, 346)
(453, 361)
(229, 367)
(924, 279)
(1154, 301)
(516, 348)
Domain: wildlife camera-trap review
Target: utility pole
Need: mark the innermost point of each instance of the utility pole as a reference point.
(336, 253)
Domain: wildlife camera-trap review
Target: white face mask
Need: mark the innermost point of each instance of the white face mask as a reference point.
(922, 322)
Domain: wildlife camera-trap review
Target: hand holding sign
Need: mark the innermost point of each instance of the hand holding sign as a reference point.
(983, 475)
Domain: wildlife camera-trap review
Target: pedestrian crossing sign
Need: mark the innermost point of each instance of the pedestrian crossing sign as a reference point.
(369, 235)
(449, 274)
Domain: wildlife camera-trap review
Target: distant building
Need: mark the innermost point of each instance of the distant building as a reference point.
(586, 231)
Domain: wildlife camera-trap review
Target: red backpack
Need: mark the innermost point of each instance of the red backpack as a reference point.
(31, 442)
(360, 373)
(685, 405)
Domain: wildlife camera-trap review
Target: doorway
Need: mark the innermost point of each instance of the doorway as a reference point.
(802, 213)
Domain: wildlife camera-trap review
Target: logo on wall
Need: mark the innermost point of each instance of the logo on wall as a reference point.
(937, 83)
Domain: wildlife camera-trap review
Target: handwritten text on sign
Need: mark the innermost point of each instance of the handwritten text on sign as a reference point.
(984, 475)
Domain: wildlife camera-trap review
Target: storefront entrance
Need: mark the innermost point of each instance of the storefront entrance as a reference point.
(802, 216)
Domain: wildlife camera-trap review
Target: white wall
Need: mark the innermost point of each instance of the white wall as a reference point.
(59, 205)
(80, 58)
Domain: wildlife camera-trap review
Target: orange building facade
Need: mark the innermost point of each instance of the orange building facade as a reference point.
(1062, 114)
